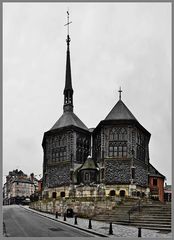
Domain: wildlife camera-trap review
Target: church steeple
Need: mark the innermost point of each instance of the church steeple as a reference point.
(68, 90)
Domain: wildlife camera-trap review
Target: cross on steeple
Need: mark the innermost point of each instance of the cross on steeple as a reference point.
(120, 91)
(67, 24)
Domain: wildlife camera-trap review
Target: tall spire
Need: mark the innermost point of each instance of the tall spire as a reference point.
(68, 91)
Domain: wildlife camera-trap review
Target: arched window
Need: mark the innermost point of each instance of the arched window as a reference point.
(138, 194)
(113, 135)
(86, 177)
(118, 134)
(112, 193)
(54, 194)
(122, 193)
(123, 134)
(62, 194)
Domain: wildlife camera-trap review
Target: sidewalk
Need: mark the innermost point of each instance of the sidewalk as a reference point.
(101, 229)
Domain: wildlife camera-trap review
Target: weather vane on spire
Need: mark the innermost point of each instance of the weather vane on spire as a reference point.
(120, 91)
(68, 23)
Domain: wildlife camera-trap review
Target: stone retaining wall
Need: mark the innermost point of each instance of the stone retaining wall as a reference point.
(82, 208)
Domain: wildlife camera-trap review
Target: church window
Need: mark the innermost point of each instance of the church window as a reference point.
(102, 173)
(111, 151)
(54, 194)
(124, 151)
(57, 156)
(111, 136)
(118, 134)
(61, 156)
(138, 194)
(154, 181)
(120, 152)
(112, 193)
(117, 149)
(124, 134)
(86, 176)
(133, 173)
(122, 193)
(138, 138)
(62, 194)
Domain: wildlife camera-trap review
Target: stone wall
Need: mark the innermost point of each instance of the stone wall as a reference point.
(82, 208)
(117, 171)
(59, 175)
(141, 174)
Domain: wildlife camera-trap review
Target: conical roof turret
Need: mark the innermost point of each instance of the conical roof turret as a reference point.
(120, 111)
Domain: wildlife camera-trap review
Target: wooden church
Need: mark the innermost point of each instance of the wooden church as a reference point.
(110, 159)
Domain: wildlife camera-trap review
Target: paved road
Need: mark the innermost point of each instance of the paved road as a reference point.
(22, 223)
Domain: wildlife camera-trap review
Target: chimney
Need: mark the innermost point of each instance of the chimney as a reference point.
(32, 177)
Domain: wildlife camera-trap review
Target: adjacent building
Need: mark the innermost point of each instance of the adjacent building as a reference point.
(18, 187)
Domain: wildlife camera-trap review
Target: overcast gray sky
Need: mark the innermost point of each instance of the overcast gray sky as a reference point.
(112, 45)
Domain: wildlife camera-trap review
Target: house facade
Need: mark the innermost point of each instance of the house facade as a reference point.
(17, 188)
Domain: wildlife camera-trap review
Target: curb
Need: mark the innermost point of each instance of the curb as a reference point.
(4, 230)
(66, 223)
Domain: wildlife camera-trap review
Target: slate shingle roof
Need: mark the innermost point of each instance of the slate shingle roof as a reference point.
(154, 172)
(23, 181)
(120, 112)
(69, 119)
(88, 164)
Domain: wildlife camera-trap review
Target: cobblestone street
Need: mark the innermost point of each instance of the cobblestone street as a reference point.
(103, 228)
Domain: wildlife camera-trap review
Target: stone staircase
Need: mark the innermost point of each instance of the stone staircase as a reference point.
(118, 213)
(152, 215)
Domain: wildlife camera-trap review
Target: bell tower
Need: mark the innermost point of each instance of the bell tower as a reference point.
(68, 90)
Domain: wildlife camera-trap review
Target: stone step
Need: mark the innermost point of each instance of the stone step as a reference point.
(162, 221)
(126, 217)
(146, 225)
(153, 214)
(156, 207)
(153, 207)
(160, 215)
(156, 210)
(149, 218)
(152, 221)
